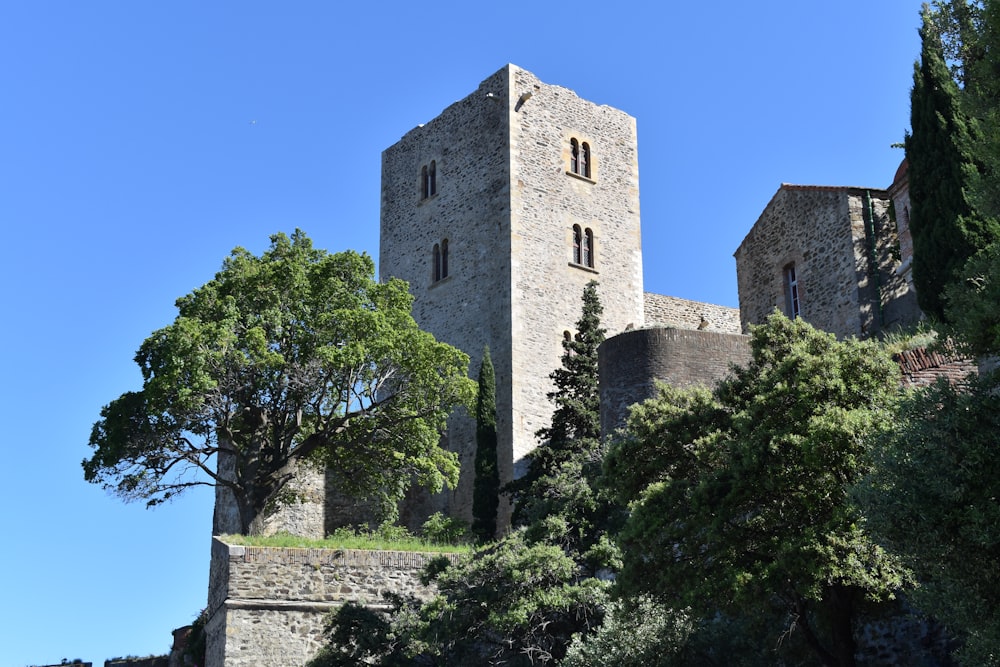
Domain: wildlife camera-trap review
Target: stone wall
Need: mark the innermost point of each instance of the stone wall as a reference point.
(633, 362)
(843, 244)
(267, 605)
(670, 311)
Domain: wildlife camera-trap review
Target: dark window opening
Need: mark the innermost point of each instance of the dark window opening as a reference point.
(791, 292)
(428, 180)
(440, 260)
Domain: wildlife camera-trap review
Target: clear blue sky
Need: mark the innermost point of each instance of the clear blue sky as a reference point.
(141, 141)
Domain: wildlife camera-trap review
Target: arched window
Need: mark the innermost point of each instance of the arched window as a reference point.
(428, 180)
(440, 260)
(577, 245)
(588, 247)
(580, 162)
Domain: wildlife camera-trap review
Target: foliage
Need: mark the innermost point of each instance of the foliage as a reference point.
(947, 229)
(292, 356)
(953, 129)
(197, 642)
(933, 498)
(511, 603)
(739, 497)
(522, 599)
(357, 635)
(641, 632)
(486, 490)
(438, 535)
(974, 304)
(444, 530)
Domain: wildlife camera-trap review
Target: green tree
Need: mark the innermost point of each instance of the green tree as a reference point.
(740, 497)
(486, 490)
(934, 499)
(944, 166)
(522, 599)
(292, 356)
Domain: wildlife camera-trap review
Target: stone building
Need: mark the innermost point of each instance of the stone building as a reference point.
(829, 255)
(498, 211)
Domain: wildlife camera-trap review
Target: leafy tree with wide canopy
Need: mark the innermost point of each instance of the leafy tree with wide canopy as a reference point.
(740, 497)
(518, 601)
(297, 355)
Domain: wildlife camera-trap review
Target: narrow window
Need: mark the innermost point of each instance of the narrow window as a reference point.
(585, 160)
(428, 180)
(791, 292)
(437, 262)
(588, 248)
(574, 156)
(444, 258)
(577, 245)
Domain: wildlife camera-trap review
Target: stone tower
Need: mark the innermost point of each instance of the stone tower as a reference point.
(497, 213)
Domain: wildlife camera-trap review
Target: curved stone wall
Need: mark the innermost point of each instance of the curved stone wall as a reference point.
(632, 362)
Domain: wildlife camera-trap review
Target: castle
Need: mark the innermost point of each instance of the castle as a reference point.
(502, 208)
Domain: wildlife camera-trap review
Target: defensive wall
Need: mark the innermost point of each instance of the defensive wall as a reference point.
(632, 363)
(267, 604)
(670, 311)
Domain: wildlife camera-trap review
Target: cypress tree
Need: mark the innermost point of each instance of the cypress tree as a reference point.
(946, 228)
(486, 489)
(556, 497)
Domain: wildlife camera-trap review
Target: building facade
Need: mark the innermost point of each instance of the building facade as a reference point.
(829, 255)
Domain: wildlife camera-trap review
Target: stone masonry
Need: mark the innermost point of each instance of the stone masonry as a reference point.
(843, 245)
(267, 605)
(633, 363)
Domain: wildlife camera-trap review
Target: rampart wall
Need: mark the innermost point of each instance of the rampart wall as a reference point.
(671, 311)
(631, 363)
(267, 604)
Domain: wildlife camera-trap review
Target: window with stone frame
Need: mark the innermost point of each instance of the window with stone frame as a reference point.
(583, 246)
(579, 157)
(439, 258)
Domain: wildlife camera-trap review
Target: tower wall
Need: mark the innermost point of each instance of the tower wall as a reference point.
(548, 199)
(470, 208)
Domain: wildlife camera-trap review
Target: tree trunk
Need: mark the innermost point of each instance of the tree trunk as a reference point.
(839, 602)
